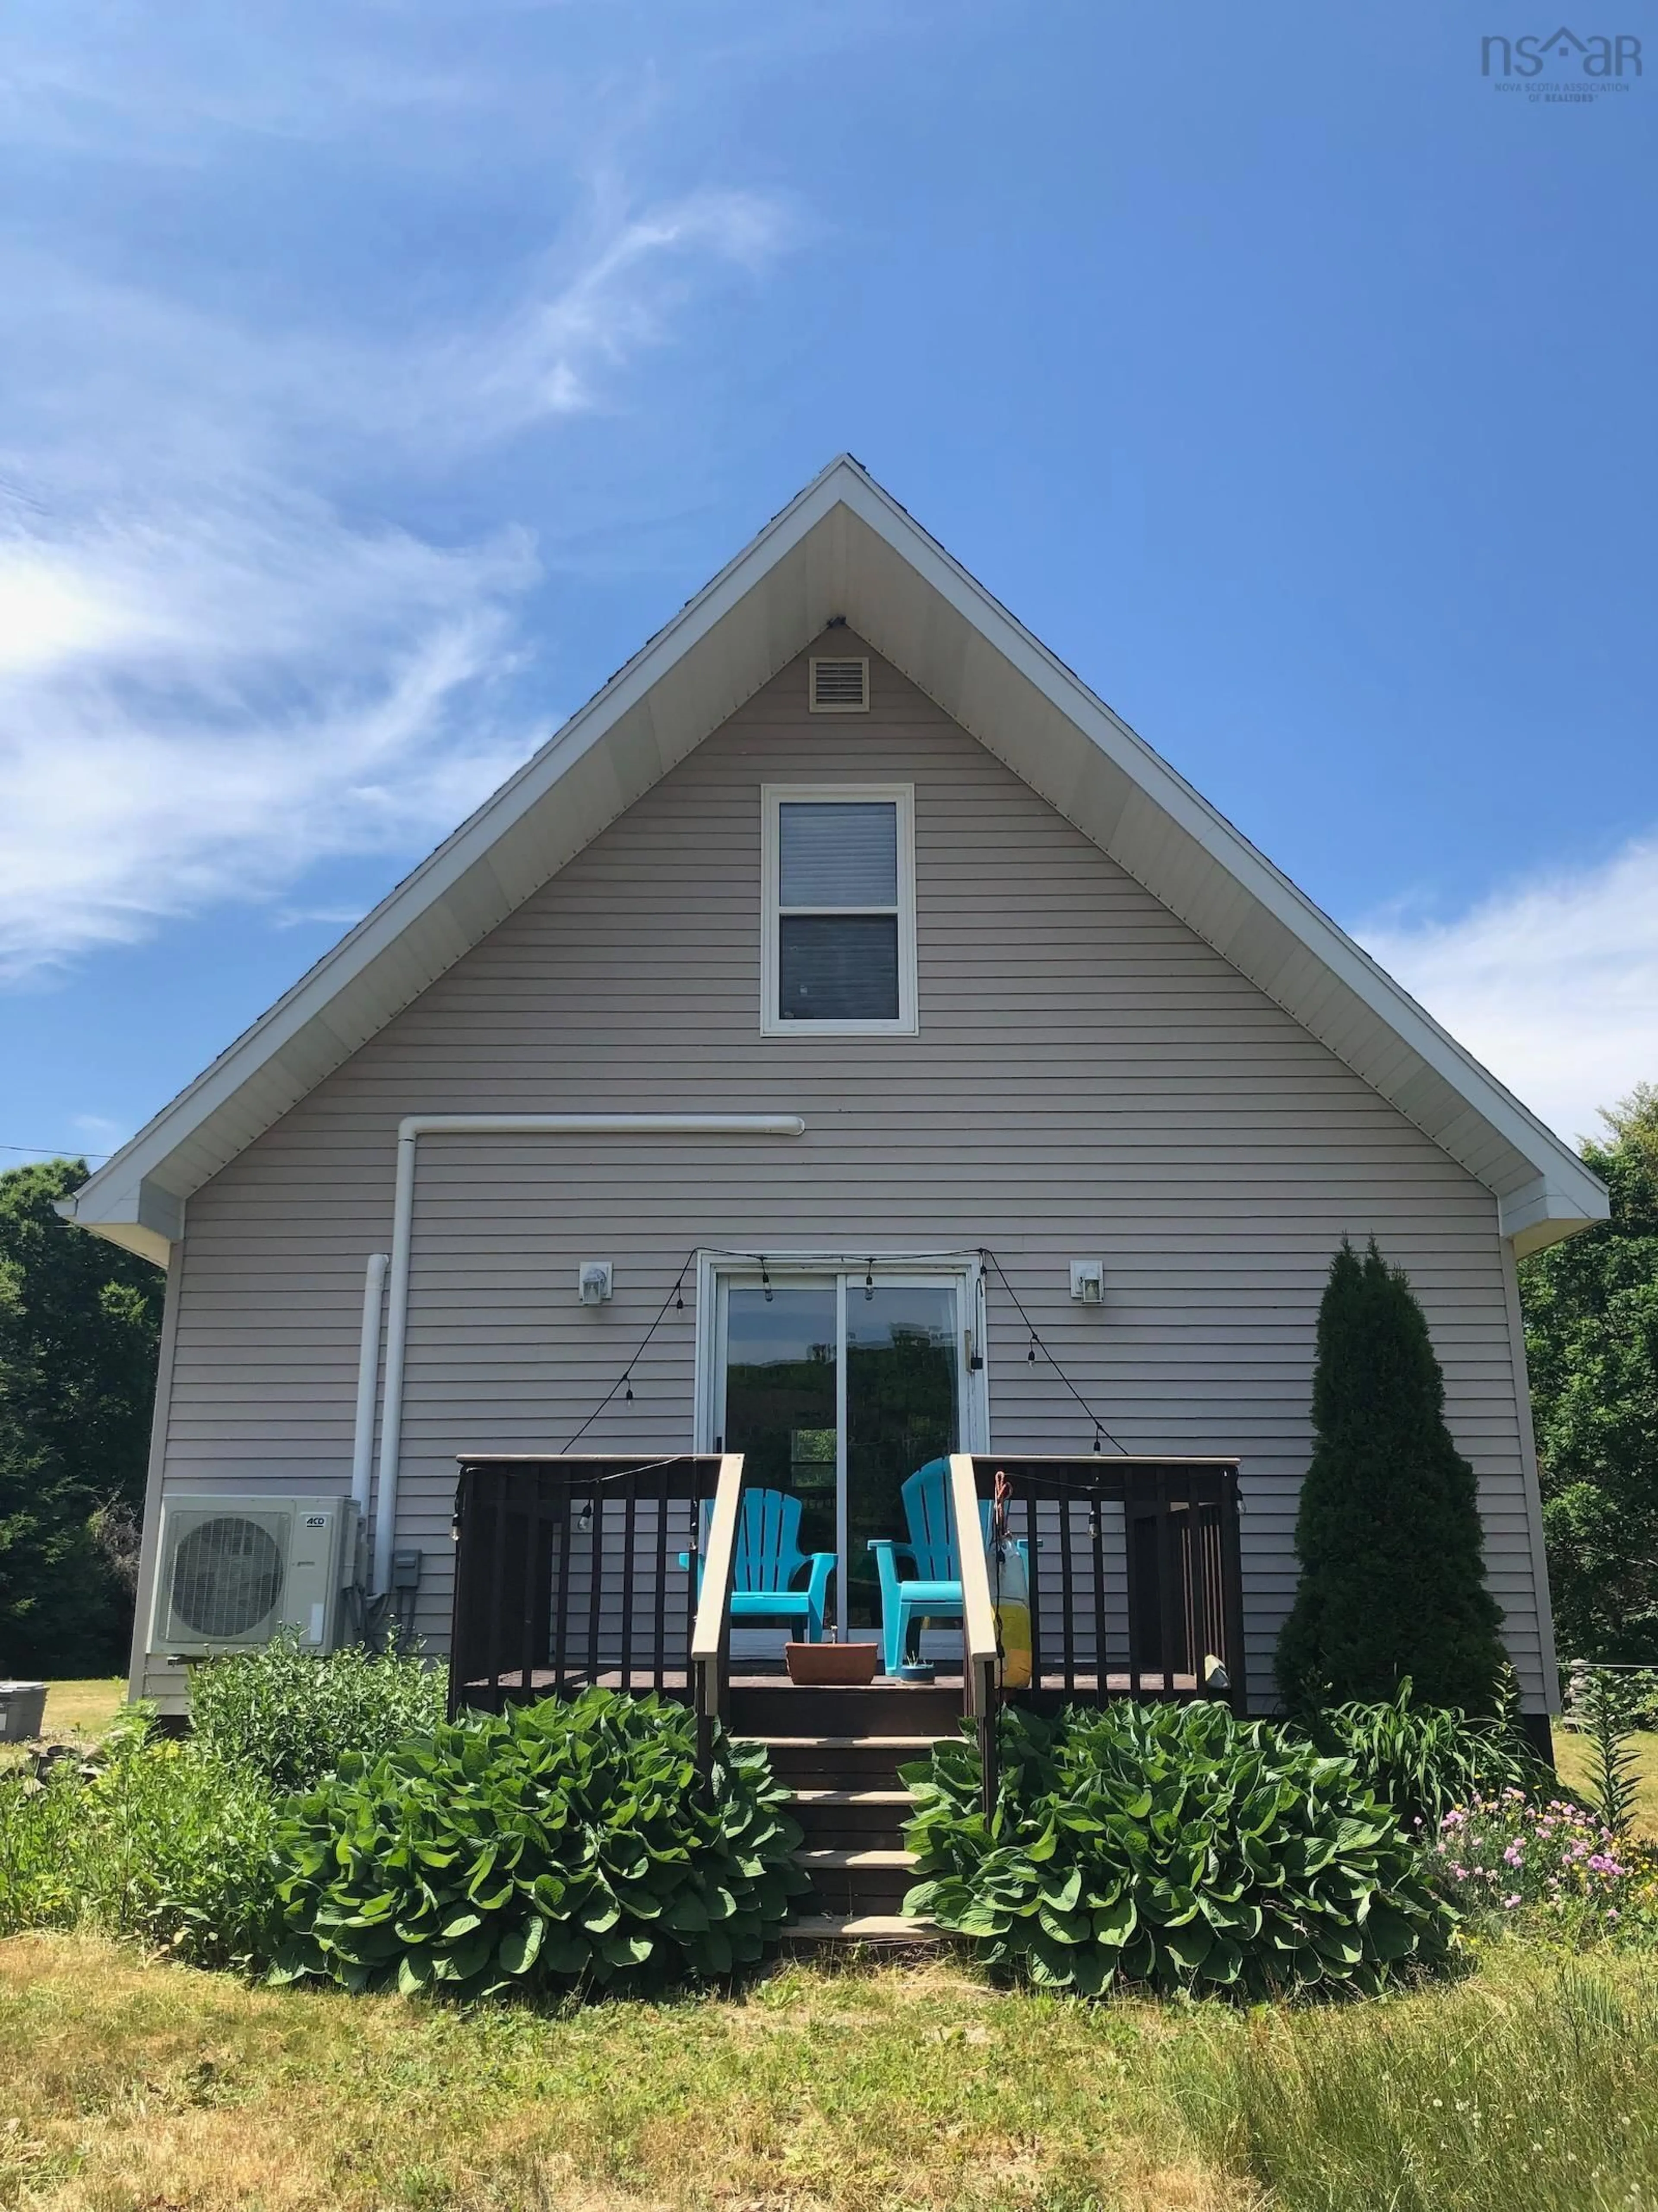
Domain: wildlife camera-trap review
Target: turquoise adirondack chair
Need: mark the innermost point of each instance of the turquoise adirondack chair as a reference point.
(769, 1557)
(934, 1593)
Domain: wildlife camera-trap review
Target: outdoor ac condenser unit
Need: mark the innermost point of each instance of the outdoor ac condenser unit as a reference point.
(231, 1571)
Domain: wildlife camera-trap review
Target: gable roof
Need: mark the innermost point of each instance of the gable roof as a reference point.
(845, 548)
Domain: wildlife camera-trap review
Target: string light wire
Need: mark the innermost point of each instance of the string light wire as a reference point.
(1037, 1346)
(624, 1381)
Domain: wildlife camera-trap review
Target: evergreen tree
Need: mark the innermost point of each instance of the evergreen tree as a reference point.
(79, 1325)
(1388, 1537)
(1592, 1346)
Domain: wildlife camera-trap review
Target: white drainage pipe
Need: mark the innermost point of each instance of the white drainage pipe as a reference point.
(368, 1374)
(410, 1131)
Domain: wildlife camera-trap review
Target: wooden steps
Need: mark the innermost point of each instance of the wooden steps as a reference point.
(893, 1708)
(875, 1817)
(885, 1931)
(857, 1881)
(842, 1762)
(838, 1752)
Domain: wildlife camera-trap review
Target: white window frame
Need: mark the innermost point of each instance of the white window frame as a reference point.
(772, 797)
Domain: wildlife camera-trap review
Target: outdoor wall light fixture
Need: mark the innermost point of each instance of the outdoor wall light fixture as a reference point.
(593, 1282)
(1088, 1282)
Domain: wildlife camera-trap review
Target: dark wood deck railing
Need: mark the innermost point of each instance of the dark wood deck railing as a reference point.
(568, 1572)
(1135, 1583)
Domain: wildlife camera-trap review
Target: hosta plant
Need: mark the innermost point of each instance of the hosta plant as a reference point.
(558, 1842)
(1171, 1845)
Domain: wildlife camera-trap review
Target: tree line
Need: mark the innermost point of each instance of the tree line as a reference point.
(80, 1324)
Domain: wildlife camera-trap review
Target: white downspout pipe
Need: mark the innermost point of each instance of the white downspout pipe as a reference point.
(410, 1130)
(368, 1374)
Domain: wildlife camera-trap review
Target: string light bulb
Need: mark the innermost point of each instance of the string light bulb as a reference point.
(869, 1278)
(765, 1279)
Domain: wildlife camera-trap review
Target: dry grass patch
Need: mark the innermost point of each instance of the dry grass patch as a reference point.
(151, 2085)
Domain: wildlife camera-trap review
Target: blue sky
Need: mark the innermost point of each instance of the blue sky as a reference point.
(375, 378)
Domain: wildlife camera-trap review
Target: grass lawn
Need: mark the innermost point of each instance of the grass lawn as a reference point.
(76, 1712)
(83, 1708)
(1572, 1756)
(149, 2085)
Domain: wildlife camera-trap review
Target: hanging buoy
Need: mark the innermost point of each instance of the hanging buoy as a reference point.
(1010, 1593)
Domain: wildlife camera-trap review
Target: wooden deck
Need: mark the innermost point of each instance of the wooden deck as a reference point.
(572, 1572)
(674, 1683)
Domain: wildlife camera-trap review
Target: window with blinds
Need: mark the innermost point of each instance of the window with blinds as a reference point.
(840, 921)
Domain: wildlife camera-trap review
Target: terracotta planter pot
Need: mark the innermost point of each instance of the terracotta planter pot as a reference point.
(831, 1666)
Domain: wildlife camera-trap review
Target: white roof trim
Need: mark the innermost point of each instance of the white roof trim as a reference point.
(845, 547)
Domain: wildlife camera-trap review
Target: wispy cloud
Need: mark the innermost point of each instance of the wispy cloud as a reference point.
(215, 671)
(169, 765)
(102, 1136)
(544, 358)
(316, 917)
(1552, 982)
(78, 77)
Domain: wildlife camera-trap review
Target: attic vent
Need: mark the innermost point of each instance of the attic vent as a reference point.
(839, 687)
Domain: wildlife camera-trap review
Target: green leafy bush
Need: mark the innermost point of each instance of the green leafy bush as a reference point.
(151, 1838)
(1423, 1759)
(1174, 1845)
(289, 1715)
(557, 1842)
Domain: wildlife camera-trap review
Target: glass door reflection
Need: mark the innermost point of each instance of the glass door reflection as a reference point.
(781, 1396)
(903, 1408)
(837, 1387)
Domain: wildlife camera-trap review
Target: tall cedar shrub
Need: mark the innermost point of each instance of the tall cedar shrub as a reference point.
(1393, 1582)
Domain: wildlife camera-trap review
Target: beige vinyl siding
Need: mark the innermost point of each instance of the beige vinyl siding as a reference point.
(1088, 1078)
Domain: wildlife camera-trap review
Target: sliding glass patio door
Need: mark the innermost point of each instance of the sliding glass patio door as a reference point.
(837, 1384)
